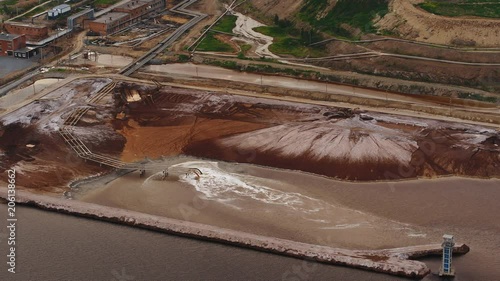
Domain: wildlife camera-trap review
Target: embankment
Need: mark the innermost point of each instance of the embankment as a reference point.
(391, 261)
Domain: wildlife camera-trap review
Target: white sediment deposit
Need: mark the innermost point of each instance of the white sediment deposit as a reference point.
(245, 26)
(351, 140)
(391, 261)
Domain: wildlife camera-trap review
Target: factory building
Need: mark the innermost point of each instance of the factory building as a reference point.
(33, 32)
(10, 43)
(124, 15)
(109, 23)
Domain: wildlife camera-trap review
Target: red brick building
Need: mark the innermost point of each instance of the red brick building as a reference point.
(109, 23)
(10, 43)
(32, 31)
(125, 15)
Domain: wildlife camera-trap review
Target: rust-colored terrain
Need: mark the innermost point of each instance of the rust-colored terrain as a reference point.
(140, 121)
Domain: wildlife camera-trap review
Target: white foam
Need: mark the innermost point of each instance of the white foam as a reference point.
(421, 235)
(345, 226)
(217, 184)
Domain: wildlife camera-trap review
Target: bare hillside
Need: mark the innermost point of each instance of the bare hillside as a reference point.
(282, 8)
(411, 22)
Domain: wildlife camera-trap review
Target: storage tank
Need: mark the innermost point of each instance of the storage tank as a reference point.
(62, 9)
(52, 14)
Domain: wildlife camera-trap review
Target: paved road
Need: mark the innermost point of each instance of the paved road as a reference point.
(14, 84)
(11, 64)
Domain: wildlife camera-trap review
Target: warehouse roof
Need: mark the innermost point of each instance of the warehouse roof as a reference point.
(8, 37)
(111, 17)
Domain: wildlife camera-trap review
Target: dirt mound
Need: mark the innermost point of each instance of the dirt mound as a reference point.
(336, 142)
(411, 22)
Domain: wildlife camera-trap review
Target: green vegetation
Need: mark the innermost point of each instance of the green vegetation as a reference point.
(265, 68)
(10, 2)
(183, 58)
(226, 24)
(477, 97)
(358, 14)
(289, 40)
(212, 44)
(105, 3)
(479, 8)
(35, 11)
(245, 48)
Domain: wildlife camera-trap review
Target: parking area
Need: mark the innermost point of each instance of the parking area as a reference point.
(10, 64)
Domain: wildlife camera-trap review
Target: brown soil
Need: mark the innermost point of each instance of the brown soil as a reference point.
(482, 77)
(43, 162)
(48, 166)
(414, 23)
(336, 142)
(254, 130)
(283, 8)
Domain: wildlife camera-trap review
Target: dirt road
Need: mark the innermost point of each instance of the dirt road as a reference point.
(203, 71)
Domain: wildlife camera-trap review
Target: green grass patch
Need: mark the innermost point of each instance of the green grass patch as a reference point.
(212, 44)
(183, 58)
(10, 2)
(477, 97)
(245, 48)
(105, 3)
(478, 8)
(355, 13)
(290, 41)
(226, 24)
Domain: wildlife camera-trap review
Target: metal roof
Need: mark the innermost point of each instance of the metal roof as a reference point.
(111, 17)
(84, 12)
(62, 6)
(8, 37)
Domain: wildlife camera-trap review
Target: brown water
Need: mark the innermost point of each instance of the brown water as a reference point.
(53, 246)
(313, 209)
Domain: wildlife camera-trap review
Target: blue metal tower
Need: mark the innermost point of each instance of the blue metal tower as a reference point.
(446, 268)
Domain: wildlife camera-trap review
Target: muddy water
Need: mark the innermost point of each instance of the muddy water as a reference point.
(235, 197)
(53, 246)
(303, 207)
(18, 96)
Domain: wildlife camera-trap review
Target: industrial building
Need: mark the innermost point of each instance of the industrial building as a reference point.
(15, 45)
(109, 23)
(58, 10)
(125, 15)
(80, 19)
(10, 43)
(33, 32)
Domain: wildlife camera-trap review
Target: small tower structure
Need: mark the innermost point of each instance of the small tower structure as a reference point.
(446, 268)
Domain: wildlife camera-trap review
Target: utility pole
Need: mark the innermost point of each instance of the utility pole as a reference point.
(450, 105)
